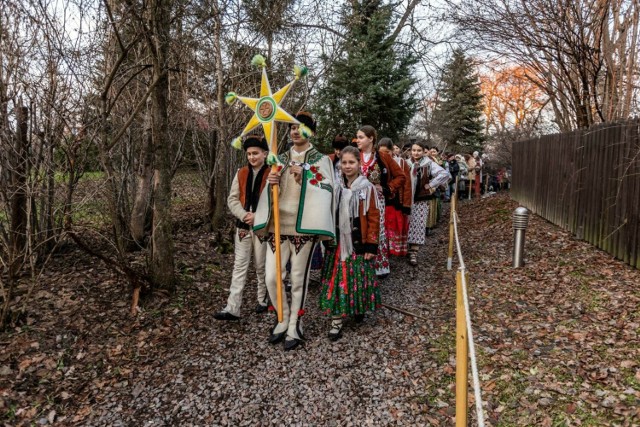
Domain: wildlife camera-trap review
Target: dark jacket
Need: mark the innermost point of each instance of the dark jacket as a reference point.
(454, 168)
(392, 180)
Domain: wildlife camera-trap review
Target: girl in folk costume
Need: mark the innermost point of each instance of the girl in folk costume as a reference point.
(479, 175)
(435, 204)
(387, 177)
(397, 151)
(243, 201)
(339, 143)
(397, 210)
(426, 176)
(349, 284)
(463, 180)
(471, 163)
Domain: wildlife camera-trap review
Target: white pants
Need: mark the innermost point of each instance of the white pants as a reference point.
(299, 278)
(243, 249)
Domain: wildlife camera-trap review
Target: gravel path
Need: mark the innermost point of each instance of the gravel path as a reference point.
(390, 369)
(557, 342)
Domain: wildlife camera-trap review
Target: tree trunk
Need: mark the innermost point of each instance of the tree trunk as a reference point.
(211, 185)
(143, 187)
(19, 196)
(221, 167)
(49, 209)
(162, 264)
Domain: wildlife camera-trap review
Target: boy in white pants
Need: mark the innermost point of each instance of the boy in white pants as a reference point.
(243, 202)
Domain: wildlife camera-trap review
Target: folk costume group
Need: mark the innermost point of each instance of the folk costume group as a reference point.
(361, 204)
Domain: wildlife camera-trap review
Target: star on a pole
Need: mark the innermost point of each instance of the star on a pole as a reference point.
(267, 109)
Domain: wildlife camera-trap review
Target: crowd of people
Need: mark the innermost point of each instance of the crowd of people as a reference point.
(346, 212)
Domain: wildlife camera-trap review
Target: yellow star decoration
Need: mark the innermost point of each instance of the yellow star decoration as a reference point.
(267, 110)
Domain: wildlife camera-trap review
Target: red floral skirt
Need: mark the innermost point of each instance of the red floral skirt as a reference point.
(397, 226)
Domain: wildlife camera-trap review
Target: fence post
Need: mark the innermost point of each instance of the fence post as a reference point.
(462, 354)
(451, 235)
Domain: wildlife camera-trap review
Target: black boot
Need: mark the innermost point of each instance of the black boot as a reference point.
(223, 315)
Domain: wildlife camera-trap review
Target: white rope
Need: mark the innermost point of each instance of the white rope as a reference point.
(472, 348)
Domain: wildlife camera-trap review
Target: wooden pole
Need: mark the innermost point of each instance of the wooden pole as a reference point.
(453, 207)
(275, 193)
(462, 356)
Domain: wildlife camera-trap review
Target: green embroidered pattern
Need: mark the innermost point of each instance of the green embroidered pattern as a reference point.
(326, 187)
(314, 156)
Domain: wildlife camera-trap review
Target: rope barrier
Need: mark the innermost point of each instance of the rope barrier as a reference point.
(472, 348)
(464, 318)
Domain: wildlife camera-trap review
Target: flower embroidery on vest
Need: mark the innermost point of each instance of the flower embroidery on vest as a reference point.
(314, 176)
(374, 174)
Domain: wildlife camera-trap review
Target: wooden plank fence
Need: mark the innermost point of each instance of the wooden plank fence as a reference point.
(587, 182)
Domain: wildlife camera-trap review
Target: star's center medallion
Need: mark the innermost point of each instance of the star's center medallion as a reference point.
(266, 109)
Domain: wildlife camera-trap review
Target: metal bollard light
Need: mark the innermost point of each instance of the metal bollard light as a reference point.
(520, 223)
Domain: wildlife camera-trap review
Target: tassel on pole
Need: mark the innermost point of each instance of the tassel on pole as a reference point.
(259, 61)
(305, 131)
(237, 143)
(300, 72)
(272, 159)
(230, 98)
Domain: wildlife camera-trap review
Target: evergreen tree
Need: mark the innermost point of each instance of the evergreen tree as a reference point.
(457, 117)
(372, 82)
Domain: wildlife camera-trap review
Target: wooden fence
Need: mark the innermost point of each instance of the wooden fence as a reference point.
(587, 182)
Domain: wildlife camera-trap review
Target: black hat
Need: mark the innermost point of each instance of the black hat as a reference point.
(255, 141)
(339, 142)
(306, 119)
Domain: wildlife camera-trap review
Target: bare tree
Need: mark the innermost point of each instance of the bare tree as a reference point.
(511, 99)
(584, 54)
(35, 122)
(158, 40)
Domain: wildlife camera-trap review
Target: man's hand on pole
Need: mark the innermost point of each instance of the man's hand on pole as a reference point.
(274, 177)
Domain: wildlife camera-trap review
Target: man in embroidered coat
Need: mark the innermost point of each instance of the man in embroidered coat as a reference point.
(243, 202)
(306, 199)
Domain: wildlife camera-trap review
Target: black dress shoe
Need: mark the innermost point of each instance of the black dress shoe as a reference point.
(223, 315)
(335, 336)
(261, 308)
(276, 338)
(291, 344)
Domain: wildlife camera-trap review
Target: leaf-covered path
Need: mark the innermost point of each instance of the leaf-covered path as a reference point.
(557, 342)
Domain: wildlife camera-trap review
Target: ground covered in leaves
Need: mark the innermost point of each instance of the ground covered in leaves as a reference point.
(557, 341)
